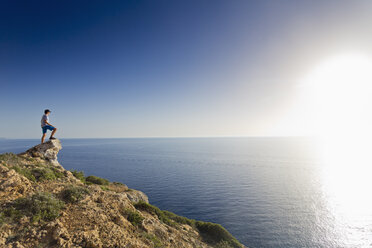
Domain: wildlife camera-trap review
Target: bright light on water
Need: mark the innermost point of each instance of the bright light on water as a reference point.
(347, 186)
(337, 97)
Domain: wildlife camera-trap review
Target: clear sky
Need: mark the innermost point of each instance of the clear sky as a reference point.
(167, 68)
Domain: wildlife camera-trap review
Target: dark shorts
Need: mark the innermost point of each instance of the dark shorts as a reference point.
(47, 127)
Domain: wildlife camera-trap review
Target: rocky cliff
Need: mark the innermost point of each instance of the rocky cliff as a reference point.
(44, 205)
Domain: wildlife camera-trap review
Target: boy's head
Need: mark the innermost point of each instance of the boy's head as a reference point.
(47, 111)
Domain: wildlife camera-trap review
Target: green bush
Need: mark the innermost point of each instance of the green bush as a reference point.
(58, 173)
(215, 233)
(105, 188)
(78, 175)
(178, 219)
(25, 172)
(10, 159)
(96, 180)
(141, 205)
(42, 174)
(152, 238)
(10, 213)
(29, 159)
(2, 218)
(91, 179)
(166, 217)
(73, 194)
(224, 244)
(39, 173)
(133, 217)
(212, 233)
(40, 206)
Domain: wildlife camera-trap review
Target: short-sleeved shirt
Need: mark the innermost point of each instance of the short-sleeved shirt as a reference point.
(43, 119)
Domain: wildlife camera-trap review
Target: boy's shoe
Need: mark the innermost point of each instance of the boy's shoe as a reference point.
(52, 138)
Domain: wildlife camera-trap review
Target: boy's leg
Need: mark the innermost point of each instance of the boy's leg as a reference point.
(43, 138)
(53, 132)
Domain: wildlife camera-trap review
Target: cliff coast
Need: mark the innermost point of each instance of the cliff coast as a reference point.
(44, 205)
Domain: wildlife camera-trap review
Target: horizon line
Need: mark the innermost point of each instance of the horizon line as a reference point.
(172, 137)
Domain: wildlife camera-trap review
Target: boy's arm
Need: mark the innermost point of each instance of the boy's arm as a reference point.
(48, 123)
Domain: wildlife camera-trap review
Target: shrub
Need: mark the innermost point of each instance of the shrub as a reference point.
(39, 173)
(40, 206)
(167, 217)
(212, 233)
(105, 188)
(96, 180)
(29, 159)
(133, 217)
(215, 233)
(152, 238)
(25, 172)
(73, 194)
(141, 205)
(178, 219)
(78, 175)
(58, 173)
(2, 218)
(224, 244)
(42, 174)
(11, 213)
(10, 159)
(90, 179)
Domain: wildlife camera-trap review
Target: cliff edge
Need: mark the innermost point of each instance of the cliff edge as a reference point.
(44, 205)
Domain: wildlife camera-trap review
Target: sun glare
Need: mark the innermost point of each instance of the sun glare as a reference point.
(337, 96)
(337, 100)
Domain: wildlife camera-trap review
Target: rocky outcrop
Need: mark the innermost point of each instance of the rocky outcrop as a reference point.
(12, 184)
(48, 151)
(136, 196)
(44, 205)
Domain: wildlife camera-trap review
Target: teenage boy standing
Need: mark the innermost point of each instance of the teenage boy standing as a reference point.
(45, 125)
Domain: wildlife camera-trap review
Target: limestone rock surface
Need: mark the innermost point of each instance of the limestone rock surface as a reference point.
(47, 150)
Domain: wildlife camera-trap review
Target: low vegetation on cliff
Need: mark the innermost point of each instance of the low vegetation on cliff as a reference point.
(44, 205)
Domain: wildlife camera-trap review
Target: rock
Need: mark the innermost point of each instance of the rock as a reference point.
(92, 239)
(60, 231)
(47, 151)
(17, 245)
(136, 196)
(12, 184)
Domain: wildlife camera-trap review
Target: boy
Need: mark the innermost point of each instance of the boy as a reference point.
(45, 125)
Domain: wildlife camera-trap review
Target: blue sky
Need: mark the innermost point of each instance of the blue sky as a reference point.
(165, 68)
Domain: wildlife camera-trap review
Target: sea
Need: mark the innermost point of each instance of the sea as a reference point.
(269, 192)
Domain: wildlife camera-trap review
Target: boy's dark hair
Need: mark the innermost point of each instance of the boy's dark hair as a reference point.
(46, 111)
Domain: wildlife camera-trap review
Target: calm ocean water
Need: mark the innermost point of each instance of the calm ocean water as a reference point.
(268, 192)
